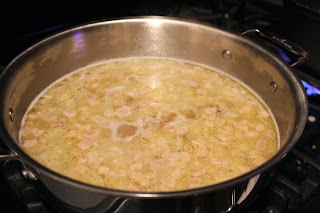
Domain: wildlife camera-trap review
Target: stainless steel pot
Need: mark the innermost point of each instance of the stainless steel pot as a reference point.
(270, 77)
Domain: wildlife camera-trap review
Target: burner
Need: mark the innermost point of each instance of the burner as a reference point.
(21, 195)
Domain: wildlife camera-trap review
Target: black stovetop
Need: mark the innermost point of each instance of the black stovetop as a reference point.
(294, 184)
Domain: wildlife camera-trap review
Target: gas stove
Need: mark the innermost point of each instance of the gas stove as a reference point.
(293, 185)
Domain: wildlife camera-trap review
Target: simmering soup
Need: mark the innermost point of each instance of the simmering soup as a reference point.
(149, 124)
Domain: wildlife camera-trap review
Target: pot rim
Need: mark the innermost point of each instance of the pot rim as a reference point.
(297, 87)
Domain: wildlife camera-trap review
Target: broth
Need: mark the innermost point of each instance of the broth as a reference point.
(149, 124)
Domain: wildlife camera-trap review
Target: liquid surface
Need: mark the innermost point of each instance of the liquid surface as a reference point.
(149, 125)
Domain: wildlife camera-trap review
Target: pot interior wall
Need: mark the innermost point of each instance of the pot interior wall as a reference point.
(51, 59)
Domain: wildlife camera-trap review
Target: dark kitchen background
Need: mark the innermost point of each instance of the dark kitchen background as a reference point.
(292, 186)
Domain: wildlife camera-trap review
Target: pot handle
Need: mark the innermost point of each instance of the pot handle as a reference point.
(26, 171)
(6, 154)
(288, 45)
